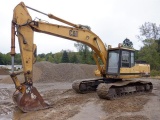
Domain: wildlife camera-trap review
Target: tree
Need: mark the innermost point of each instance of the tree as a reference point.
(83, 51)
(127, 43)
(42, 55)
(150, 52)
(73, 58)
(65, 58)
(49, 57)
(149, 31)
(7, 59)
(57, 57)
(2, 59)
(18, 60)
(39, 58)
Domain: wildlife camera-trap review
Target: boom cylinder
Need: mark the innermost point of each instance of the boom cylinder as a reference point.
(12, 44)
(55, 17)
(62, 20)
(12, 38)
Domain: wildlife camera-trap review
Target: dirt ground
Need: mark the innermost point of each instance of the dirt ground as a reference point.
(54, 84)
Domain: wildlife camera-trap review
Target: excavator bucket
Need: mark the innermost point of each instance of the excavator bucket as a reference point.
(29, 100)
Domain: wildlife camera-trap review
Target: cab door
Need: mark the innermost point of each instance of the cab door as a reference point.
(113, 62)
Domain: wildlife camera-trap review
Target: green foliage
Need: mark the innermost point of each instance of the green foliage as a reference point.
(5, 59)
(39, 59)
(2, 59)
(65, 58)
(136, 54)
(17, 59)
(49, 57)
(42, 55)
(155, 73)
(85, 54)
(57, 57)
(83, 51)
(127, 43)
(150, 52)
(73, 58)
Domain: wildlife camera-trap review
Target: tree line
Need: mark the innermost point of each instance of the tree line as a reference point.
(149, 52)
(83, 56)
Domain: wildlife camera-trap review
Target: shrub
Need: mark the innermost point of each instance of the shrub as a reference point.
(155, 73)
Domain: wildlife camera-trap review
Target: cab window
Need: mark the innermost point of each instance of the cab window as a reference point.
(125, 61)
(132, 59)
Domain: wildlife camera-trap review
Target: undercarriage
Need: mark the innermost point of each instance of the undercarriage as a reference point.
(112, 88)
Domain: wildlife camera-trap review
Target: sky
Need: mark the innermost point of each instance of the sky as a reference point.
(111, 20)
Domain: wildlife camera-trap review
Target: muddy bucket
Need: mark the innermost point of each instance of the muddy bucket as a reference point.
(29, 100)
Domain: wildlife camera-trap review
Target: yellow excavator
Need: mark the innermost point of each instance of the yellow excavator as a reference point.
(117, 64)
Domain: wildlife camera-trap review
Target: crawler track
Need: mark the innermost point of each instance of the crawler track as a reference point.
(86, 85)
(124, 88)
(112, 89)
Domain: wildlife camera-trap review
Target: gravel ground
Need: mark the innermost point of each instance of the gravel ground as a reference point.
(68, 105)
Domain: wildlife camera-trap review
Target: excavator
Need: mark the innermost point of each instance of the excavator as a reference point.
(115, 71)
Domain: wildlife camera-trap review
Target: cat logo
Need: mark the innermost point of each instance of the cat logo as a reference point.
(73, 33)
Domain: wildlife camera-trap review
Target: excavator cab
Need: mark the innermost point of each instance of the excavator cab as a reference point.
(121, 64)
(119, 58)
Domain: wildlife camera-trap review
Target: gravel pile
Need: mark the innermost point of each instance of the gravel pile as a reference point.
(49, 72)
(4, 71)
(64, 71)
